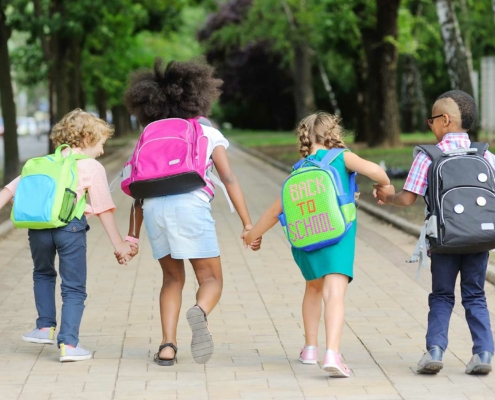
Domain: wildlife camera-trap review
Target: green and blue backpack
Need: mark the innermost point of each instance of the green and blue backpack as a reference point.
(46, 195)
(316, 211)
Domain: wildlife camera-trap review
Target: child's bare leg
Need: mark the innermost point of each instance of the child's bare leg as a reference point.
(209, 275)
(170, 301)
(311, 310)
(334, 288)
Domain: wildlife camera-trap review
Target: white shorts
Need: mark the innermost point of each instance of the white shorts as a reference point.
(181, 226)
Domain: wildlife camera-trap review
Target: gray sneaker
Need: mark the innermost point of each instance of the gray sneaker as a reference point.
(41, 336)
(431, 362)
(70, 353)
(480, 364)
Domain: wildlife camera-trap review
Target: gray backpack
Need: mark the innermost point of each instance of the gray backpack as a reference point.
(460, 202)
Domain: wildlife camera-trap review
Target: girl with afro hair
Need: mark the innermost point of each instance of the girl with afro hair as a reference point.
(181, 226)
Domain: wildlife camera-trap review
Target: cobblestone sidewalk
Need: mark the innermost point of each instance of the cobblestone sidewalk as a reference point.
(257, 327)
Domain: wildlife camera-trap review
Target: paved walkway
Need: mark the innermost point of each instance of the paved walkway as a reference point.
(257, 326)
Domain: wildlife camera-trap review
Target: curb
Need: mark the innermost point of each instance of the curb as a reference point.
(375, 211)
(7, 226)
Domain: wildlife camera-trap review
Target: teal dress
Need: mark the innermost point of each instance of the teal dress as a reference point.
(335, 259)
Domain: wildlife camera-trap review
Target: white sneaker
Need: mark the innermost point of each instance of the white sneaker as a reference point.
(71, 353)
(41, 336)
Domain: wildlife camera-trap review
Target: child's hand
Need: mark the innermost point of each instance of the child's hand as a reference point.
(254, 245)
(124, 258)
(383, 193)
(125, 251)
(245, 231)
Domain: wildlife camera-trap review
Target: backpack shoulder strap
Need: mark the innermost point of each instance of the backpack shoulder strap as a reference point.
(298, 164)
(430, 150)
(204, 121)
(481, 146)
(79, 156)
(331, 155)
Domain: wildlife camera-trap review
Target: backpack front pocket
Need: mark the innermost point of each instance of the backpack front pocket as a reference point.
(34, 198)
(467, 217)
(162, 157)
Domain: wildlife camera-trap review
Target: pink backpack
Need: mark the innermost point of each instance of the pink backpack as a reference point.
(169, 158)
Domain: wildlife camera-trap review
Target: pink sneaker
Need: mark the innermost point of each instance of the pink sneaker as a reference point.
(333, 364)
(309, 355)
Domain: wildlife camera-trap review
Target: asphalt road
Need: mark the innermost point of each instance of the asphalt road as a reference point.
(29, 146)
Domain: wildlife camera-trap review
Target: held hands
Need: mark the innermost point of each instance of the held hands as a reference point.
(125, 252)
(383, 193)
(256, 244)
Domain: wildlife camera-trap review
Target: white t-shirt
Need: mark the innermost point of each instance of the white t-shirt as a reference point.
(215, 138)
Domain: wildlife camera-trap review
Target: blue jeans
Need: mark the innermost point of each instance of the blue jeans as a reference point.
(70, 243)
(444, 271)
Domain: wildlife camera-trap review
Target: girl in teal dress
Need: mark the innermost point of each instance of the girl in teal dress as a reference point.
(327, 271)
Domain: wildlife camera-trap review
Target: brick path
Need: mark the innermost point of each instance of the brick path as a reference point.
(257, 326)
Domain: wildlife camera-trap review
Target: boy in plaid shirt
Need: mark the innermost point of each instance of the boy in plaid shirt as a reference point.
(454, 114)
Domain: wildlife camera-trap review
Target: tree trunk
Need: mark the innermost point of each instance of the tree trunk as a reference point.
(128, 123)
(74, 75)
(455, 52)
(422, 110)
(100, 99)
(119, 116)
(372, 96)
(11, 151)
(467, 35)
(61, 89)
(409, 99)
(304, 96)
(328, 88)
(387, 15)
(362, 122)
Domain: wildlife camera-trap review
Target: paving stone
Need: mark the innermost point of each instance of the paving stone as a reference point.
(257, 327)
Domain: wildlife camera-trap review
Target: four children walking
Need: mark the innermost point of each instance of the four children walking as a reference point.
(180, 226)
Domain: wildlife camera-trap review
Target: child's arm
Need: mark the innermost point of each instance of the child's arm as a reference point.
(228, 178)
(122, 247)
(267, 221)
(136, 219)
(367, 168)
(386, 195)
(5, 197)
(135, 222)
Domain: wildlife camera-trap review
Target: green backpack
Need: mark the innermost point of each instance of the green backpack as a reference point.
(46, 195)
(316, 211)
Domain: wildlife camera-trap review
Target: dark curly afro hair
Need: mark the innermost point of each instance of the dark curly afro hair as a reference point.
(183, 90)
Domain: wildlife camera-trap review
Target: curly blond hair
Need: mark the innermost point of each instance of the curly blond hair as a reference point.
(320, 128)
(81, 129)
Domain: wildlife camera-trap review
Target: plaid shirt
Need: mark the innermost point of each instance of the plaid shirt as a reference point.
(417, 180)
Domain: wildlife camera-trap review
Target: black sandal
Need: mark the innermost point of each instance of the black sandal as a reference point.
(166, 362)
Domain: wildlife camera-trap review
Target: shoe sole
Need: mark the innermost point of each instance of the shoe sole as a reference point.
(481, 369)
(335, 371)
(38, 341)
(433, 367)
(74, 358)
(310, 362)
(201, 343)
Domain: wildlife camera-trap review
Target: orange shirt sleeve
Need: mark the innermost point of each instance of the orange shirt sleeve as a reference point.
(96, 183)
